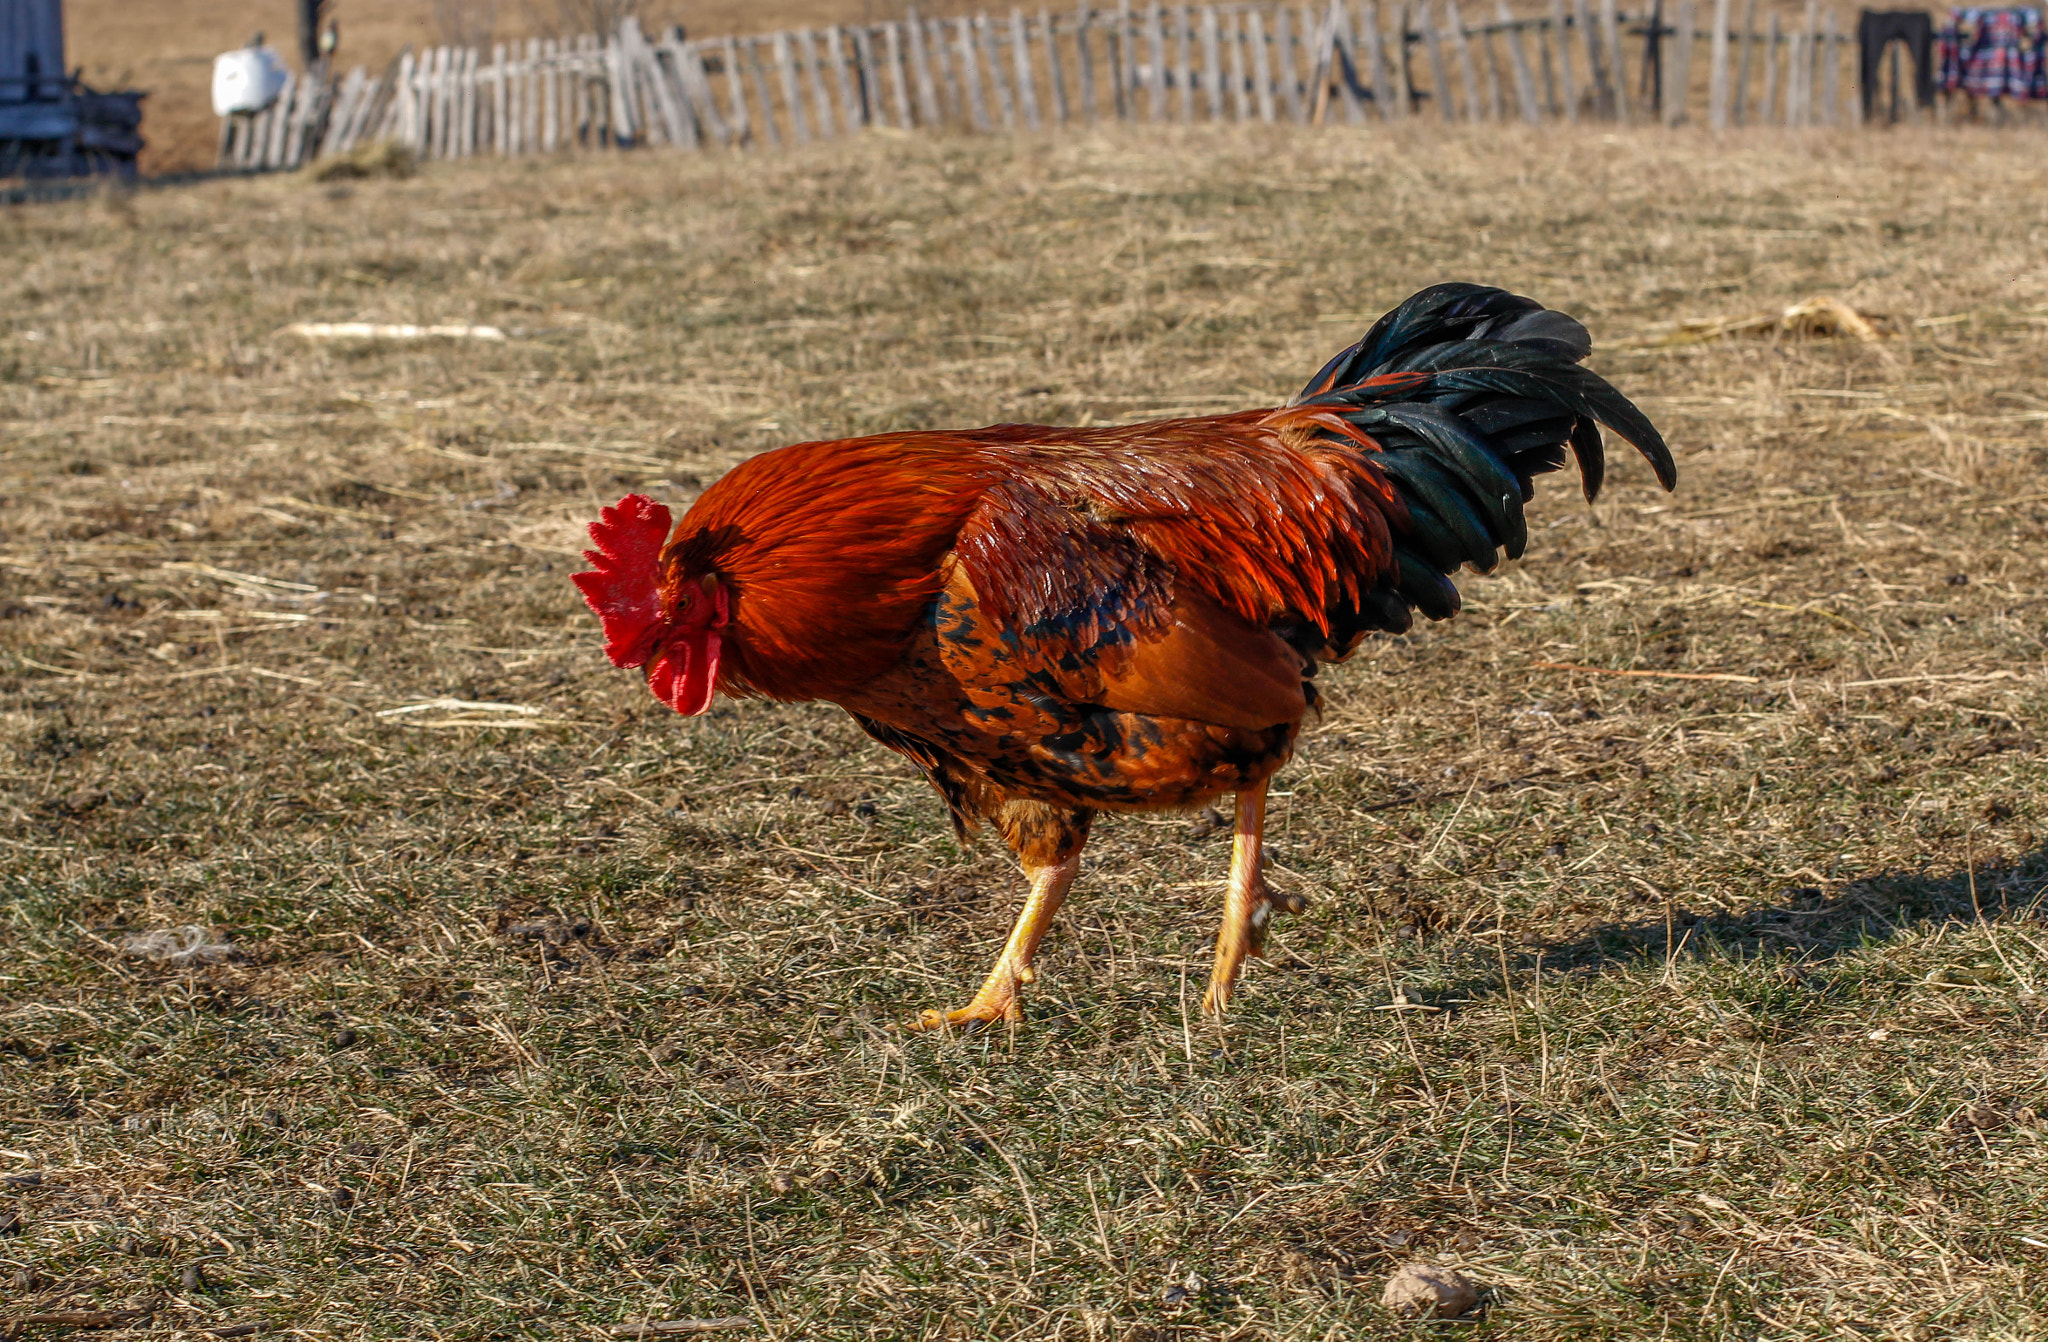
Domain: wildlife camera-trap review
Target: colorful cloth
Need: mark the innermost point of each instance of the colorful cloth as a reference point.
(1993, 53)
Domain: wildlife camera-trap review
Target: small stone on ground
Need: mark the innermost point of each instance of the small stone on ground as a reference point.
(1426, 1289)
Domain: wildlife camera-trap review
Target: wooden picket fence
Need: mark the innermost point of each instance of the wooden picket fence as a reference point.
(1354, 61)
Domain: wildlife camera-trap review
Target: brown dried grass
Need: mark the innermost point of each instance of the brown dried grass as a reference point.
(1663, 1006)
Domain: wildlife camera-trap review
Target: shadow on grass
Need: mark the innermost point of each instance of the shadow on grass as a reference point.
(1803, 927)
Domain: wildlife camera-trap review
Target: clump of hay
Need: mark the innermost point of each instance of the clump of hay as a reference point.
(379, 158)
(1822, 317)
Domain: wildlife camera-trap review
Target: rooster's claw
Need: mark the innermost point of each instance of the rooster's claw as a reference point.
(974, 1013)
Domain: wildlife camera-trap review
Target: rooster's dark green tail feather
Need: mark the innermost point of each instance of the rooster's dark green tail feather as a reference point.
(1470, 393)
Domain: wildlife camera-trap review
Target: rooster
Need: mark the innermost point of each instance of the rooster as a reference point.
(1055, 622)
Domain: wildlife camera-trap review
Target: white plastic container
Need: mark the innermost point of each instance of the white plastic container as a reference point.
(247, 80)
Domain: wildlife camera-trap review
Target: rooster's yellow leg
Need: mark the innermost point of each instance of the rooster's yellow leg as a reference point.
(1248, 906)
(997, 999)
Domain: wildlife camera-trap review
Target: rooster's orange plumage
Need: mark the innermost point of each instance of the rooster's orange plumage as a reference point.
(1054, 622)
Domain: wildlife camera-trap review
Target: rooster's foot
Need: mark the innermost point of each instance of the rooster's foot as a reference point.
(977, 1012)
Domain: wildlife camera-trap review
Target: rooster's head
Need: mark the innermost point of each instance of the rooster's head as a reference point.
(656, 614)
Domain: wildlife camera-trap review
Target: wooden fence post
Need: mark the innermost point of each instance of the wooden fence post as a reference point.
(1123, 63)
(739, 119)
(520, 104)
(476, 105)
(294, 112)
(346, 97)
(1284, 64)
(783, 52)
(1568, 84)
(952, 96)
(666, 116)
(1831, 73)
(1262, 64)
(1155, 74)
(1027, 78)
(1518, 58)
(696, 85)
(1400, 99)
(455, 99)
(866, 78)
(1496, 104)
(1454, 22)
(764, 93)
(1212, 64)
(1439, 73)
(619, 84)
(1598, 72)
(970, 75)
(989, 40)
(1319, 62)
(1376, 57)
(579, 130)
(804, 46)
(899, 86)
(921, 71)
(280, 127)
(529, 101)
(1055, 66)
(1768, 102)
(1617, 61)
(841, 52)
(1799, 80)
(1717, 68)
(1344, 62)
(1173, 61)
(547, 98)
(1234, 78)
(1742, 105)
(1678, 80)
(429, 121)
(1084, 64)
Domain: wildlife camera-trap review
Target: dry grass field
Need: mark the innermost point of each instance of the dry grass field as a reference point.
(1663, 1006)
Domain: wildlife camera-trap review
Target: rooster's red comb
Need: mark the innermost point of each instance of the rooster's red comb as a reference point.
(621, 587)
